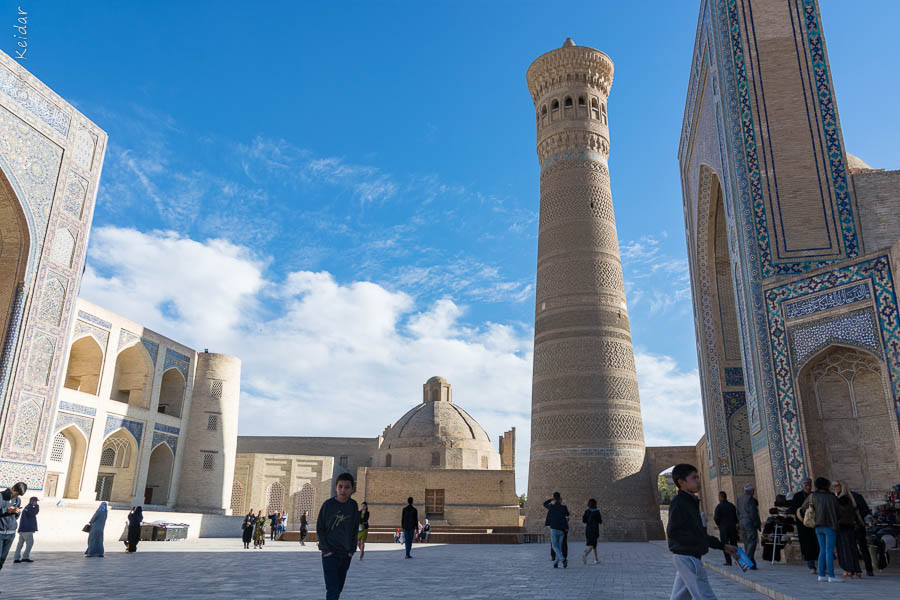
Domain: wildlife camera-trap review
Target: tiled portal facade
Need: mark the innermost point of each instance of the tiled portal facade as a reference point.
(793, 249)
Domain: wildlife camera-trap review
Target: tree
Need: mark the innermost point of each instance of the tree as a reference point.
(666, 488)
(522, 499)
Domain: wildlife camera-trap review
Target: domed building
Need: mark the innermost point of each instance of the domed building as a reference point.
(437, 434)
(436, 453)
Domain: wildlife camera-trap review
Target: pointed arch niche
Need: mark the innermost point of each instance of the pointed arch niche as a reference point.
(159, 475)
(171, 393)
(67, 455)
(118, 461)
(85, 363)
(847, 419)
(721, 345)
(133, 376)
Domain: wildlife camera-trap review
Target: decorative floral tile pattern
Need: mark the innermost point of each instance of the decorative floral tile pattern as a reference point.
(13, 472)
(734, 376)
(33, 101)
(53, 298)
(95, 320)
(77, 408)
(855, 329)
(28, 419)
(85, 424)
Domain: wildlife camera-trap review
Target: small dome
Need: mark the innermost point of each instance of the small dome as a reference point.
(568, 43)
(855, 163)
(437, 379)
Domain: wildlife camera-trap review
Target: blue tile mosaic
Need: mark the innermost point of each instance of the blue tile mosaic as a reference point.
(734, 376)
(113, 422)
(95, 320)
(855, 329)
(166, 428)
(77, 408)
(841, 297)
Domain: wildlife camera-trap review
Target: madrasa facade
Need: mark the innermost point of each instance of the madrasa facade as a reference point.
(794, 252)
(94, 406)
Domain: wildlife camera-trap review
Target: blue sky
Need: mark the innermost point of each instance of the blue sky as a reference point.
(346, 194)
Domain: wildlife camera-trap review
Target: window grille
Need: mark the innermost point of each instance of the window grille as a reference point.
(212, 423)
(59, 448)
(208, 460)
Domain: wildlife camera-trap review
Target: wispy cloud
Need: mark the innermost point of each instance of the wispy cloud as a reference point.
(307, 338)
(654, 278)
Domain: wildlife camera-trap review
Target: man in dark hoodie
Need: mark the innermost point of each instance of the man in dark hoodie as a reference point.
(558, 520)
(9, 513)
(336, 528)
(688, 540)
(409, 520)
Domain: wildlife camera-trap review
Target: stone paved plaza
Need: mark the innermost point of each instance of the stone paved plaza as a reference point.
(219, 568)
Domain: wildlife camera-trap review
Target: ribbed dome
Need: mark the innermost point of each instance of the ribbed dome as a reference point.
(436, 423)
(437, 434)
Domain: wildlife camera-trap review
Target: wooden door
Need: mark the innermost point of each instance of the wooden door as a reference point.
(434, 502)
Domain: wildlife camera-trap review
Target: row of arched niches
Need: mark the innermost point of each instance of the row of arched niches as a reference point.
(572, 108)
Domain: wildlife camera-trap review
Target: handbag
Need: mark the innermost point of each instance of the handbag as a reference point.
(86, 528)
(809, 517)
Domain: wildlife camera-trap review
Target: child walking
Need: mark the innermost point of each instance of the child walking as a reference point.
(337, 529)
(688, 540)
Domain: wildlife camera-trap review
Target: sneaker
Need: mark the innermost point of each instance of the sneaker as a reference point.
(822, 578)
(556, 565)
(834, 580)
(27, 560)
(17, 561)
(565, 564)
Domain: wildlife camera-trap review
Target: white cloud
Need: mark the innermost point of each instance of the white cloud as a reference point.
(322, 357)
(670, 400)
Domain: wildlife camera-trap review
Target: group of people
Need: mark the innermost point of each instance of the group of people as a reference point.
(254, 528)
(15, 518)
(558, 521)
(830, 519)
(420, 534)
(836, 522)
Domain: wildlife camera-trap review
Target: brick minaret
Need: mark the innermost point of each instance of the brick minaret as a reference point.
(587, 438)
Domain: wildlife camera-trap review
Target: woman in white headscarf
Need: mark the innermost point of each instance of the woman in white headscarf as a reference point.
(95, 536)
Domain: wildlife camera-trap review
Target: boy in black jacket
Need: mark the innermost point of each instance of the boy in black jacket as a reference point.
(688, 540)
(337, 528)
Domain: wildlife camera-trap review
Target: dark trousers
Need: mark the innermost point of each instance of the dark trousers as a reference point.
(863, 545)
(728, 535)
(6, 542)
(408, 535)
(335, 568)
(565, 547)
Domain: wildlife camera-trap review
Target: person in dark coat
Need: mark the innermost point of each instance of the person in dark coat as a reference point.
(409, 522)
(558, 520)
(862, 508)
(726, 519)
(27, 529)
(135, 518)
(592, 520)
(10, 508)
(247, 529)
(809, 544)
(304, 527)
(687, 537)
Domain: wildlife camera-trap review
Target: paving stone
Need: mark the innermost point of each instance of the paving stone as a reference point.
(220, 568)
